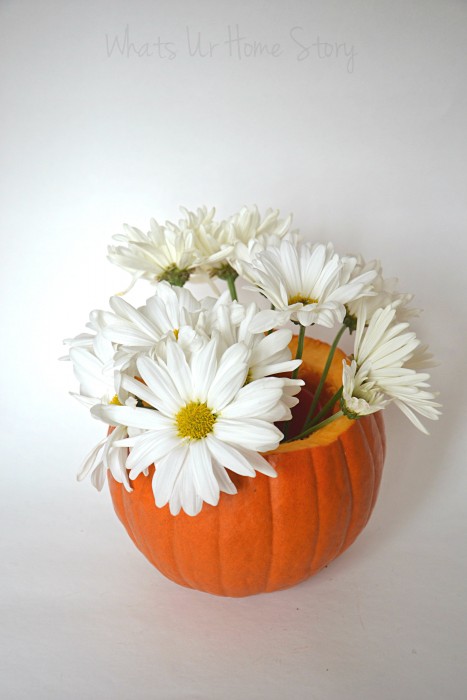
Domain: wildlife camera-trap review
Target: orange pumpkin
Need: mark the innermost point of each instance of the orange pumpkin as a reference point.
(273, 533)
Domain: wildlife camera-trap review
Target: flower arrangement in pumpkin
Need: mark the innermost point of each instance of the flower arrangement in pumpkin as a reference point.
(204, 387)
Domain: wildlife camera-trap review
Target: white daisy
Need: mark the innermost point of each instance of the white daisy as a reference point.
(93, 341)
(379, 372)
(247, 252)
(383, 293)
(171, 310)
(269, 354)
(164, 253)
(248, 225)
(106, 455)
(92, 358)
(203, 420)
(218, 241)
(382, 342)
(208, 236)
(100, 384)
(230, 322)
(359, 396)
(305, 283)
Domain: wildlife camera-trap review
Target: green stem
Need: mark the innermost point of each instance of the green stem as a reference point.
(319, 388)
(299, 353)
(327, 407)
(231, 284)
(314, 428)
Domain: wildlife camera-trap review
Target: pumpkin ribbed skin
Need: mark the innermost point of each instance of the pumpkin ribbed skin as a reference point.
(273, 533)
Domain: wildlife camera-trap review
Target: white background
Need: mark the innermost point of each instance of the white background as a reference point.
(369, 153)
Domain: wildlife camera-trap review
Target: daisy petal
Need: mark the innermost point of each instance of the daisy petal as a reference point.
(229, 457)
(148, 448)
(205, 481)
(254, 434)
(268, 319)
(146, 418)
(225, 483)
(166, 473)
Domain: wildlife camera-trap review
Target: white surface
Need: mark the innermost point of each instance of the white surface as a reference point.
(374, 160)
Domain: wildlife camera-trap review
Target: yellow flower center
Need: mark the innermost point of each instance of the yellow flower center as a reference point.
(115, 401)
(176, 332)
(300, 299)
(195, 420)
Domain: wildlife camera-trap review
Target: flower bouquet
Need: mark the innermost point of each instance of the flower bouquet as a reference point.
(200, 396)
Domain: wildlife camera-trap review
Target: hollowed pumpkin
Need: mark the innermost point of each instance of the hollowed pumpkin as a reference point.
(273, 533)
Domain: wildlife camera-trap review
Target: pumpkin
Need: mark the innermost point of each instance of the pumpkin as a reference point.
(273, 533)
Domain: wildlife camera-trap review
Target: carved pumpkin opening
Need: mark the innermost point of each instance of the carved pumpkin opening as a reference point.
(300, 411)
